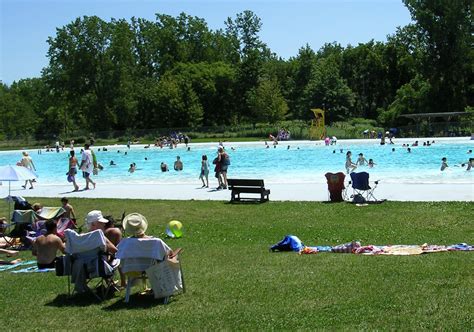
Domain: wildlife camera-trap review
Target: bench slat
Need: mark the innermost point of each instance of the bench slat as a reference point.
(246, 182)
(248, 190)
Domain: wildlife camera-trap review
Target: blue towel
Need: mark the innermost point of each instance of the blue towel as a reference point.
(32, 269)
(460, 247)
(14, 266)
(324, 248)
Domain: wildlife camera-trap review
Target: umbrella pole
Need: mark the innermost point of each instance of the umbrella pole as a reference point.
(9, 198)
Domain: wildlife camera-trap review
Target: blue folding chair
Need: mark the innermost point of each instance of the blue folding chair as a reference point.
(360, 186)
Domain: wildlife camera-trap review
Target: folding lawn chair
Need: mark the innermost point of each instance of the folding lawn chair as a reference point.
(6, 241)
(88, 261)
(29, 224)
(336, 189)
(137, 255)
(63, 224)
(361, 187)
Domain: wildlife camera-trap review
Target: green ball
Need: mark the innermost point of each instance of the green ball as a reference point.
(174, 229)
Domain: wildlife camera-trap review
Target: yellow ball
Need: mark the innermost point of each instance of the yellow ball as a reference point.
(174, 229)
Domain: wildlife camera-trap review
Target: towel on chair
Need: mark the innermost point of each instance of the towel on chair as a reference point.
(142, 247)
(137, 254)
(77, 243)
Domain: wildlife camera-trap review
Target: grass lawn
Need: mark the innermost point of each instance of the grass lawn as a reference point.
(234, 283)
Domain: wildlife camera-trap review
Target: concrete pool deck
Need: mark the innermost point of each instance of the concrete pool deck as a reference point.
(279, 191)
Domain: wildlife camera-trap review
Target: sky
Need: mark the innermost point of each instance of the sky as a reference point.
(288, 25)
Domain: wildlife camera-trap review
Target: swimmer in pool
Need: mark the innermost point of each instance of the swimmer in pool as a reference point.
(444, 163)
(361, 160)
(350, 166)
(470, 164)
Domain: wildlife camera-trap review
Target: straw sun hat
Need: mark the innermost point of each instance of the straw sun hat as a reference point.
(135, 224)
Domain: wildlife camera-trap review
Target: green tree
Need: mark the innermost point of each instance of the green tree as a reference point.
(17, 113)
(365, 72)
(267, 103)
(122, 76)
(446, 31)
(328, 90)
(412, 97)
(179, 105)
(79, 72)
(301, 67)
(243, 33)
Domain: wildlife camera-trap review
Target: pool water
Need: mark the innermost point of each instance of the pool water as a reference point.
(303, 162)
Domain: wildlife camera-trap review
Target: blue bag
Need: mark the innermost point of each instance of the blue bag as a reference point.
(289, 243)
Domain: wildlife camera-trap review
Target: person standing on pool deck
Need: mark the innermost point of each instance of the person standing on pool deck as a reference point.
(27, 162)
(71, 176)
(87, 166)
(350, 166)
(204, 171)
(224, 161)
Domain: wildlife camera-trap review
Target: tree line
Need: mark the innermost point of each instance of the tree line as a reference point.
(176, 72)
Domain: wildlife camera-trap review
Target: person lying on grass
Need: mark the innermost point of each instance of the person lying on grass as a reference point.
(9, 253)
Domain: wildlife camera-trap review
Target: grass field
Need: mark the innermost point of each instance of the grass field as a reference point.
(234, 283)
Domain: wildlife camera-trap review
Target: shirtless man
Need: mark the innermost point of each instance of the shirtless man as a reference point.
(178, 164)
(46, 246)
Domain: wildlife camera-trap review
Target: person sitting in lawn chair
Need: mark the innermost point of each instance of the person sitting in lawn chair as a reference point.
(139, 252)
(91, 256)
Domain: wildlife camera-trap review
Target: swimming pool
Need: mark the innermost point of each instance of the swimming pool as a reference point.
(304, 161)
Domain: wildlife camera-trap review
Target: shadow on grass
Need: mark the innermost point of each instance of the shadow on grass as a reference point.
(79, 300)
(247, 201)
(137, 301)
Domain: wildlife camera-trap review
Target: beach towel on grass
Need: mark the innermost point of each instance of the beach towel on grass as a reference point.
(461, 247)
(315, 250)
(433, 248)
(14, 266)
(368, 250)
(401, 250)
(346, 247)
(32, 269)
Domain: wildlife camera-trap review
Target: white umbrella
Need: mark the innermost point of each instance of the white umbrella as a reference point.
(15, 173)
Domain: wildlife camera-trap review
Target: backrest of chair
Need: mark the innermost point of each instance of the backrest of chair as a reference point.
(20, 203)
(63, 224)
(137, 254)
(360, 181)
(246, 182)
(24, 216)
(50, 213)
(82, 243)
(335, 181)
